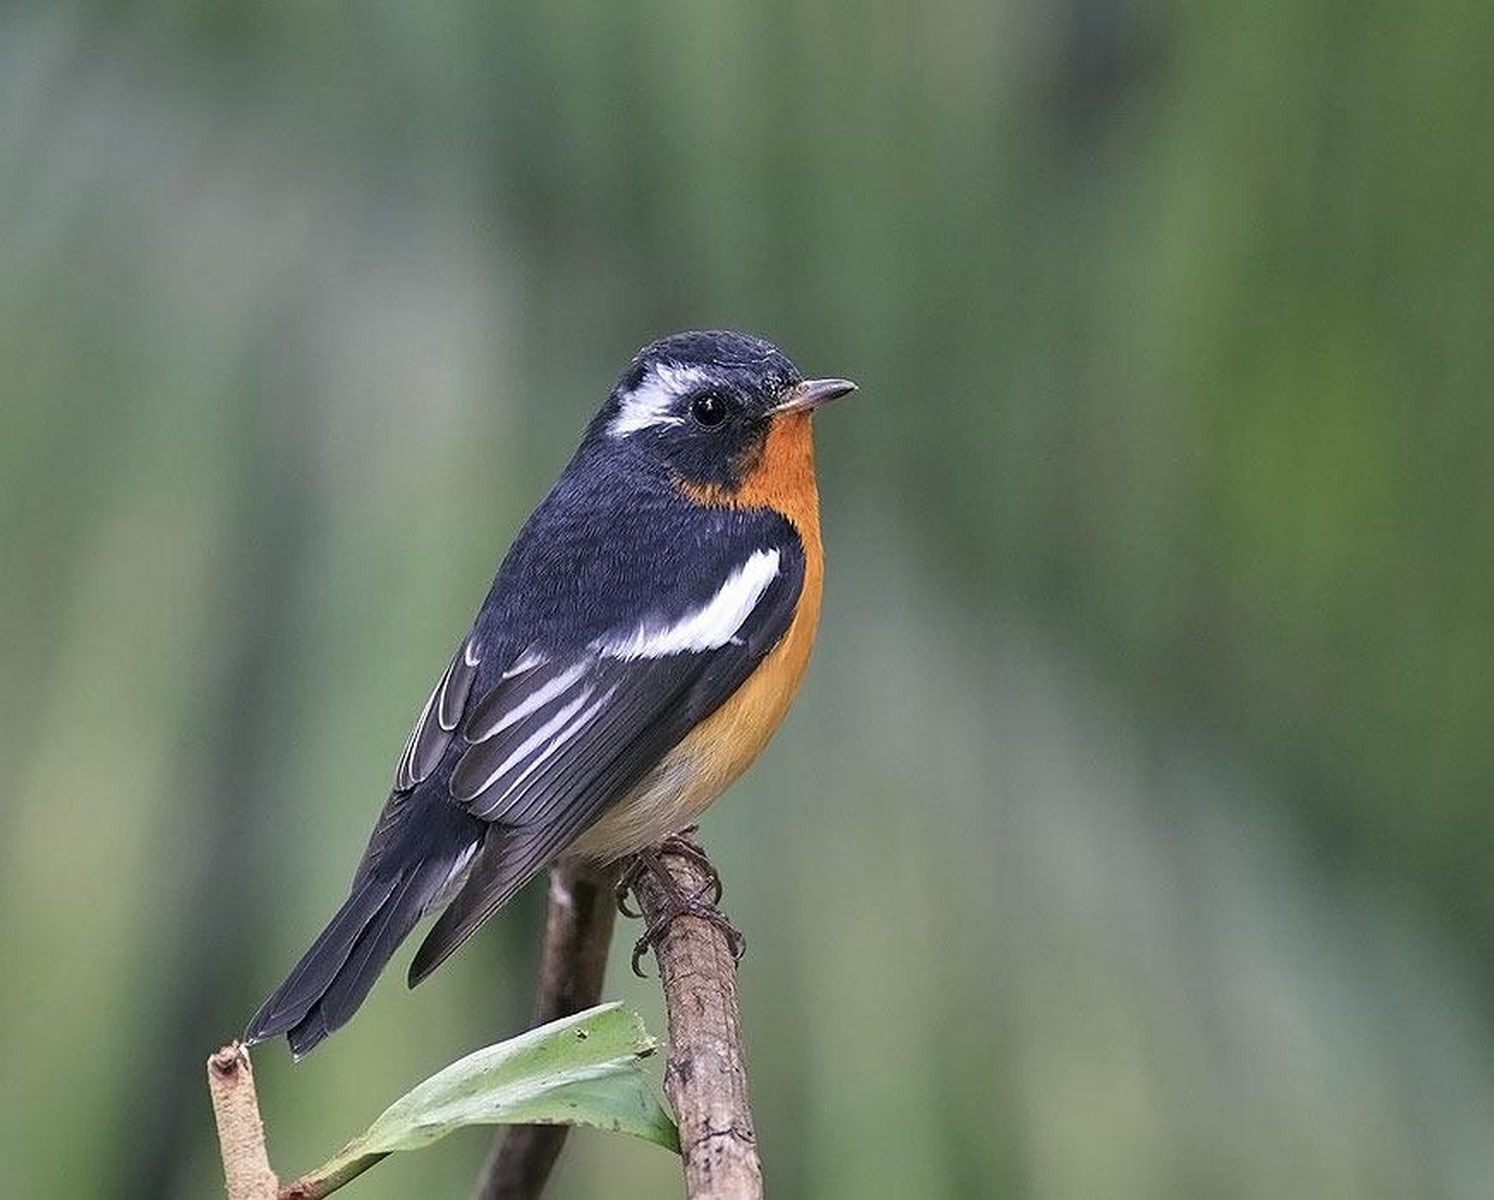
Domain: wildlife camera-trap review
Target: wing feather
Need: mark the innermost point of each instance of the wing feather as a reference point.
(439, 718)
(608, 703)
(564, 732)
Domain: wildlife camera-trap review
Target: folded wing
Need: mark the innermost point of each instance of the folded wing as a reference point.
(564, 734)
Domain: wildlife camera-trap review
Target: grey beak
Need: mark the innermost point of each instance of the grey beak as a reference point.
(809, 395)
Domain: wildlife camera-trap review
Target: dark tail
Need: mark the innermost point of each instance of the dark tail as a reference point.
(333, 977)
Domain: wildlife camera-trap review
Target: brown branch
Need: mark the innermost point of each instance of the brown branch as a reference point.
(706, 1078)
(241, 1134)
(578, 932)
(241, 1137)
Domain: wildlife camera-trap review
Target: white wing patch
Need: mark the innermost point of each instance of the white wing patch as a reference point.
(507, 780)
(536, 740)
(708, 627)
(651, 403)
(533, 702)
(561, 739)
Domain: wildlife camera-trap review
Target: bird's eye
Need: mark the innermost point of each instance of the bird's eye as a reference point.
(709, 409)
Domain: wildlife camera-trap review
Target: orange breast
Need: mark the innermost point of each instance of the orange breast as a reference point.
(781, 479)
(722, 746)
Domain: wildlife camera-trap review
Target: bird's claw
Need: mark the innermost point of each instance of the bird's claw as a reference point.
(689, 906)
(682, 846)
(703, 903)
(625, 884)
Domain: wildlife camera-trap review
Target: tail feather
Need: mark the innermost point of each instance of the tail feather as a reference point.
(356, 976)
(333, 978)
(311, 977)
(378, 943)
(501, 868)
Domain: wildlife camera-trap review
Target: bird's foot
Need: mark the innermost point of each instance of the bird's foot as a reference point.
(701, 902)
(690, 906)
(680, 845)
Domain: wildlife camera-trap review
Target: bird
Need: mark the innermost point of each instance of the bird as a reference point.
(643, 638)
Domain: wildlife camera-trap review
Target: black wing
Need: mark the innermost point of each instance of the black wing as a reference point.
(428, 742)
(563, 735)
(622, 615)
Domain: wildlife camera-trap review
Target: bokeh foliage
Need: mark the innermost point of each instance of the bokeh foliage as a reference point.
(1132, 836)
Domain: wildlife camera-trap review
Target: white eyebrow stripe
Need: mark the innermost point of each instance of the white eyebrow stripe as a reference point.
(649, 404)
(708, 627)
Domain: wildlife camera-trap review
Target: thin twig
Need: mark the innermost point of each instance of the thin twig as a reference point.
(706, 1078)
(578, 932)
(241, 1134)
(241, 1137)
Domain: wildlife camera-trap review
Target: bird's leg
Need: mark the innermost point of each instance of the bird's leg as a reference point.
(700, 903)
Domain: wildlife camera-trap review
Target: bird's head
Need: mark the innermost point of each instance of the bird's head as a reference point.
(703, 406)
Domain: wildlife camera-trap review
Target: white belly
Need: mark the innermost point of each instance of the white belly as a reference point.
(666, 800)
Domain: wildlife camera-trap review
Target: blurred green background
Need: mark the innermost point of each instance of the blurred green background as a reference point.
(1132, 836)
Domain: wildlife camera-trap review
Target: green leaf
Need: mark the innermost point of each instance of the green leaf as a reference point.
(580, 1070)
